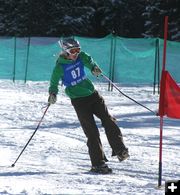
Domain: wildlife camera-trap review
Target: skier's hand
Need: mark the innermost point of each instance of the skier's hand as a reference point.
(52, 98)
(96, 71)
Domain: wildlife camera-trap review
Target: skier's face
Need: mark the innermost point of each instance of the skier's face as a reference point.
(72, 56)
(73, 53)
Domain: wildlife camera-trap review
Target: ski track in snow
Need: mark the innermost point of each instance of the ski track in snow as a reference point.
(56, 160)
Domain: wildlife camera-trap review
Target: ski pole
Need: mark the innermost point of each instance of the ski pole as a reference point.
(115, 86)
(31, 136)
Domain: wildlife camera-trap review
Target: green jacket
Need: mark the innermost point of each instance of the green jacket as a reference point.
(82, 89)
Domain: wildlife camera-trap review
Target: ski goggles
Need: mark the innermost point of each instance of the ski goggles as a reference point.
(73, 51)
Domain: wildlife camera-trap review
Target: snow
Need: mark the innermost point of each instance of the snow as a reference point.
(56, 160)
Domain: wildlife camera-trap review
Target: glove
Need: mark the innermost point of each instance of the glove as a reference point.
(96, 71)
(52, 98)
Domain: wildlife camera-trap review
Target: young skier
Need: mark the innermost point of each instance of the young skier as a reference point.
(87, 102)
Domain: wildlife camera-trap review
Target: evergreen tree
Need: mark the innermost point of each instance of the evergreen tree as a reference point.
(156, 10)
(92, 18)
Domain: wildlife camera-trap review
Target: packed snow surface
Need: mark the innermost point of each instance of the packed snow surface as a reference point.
(56, 160)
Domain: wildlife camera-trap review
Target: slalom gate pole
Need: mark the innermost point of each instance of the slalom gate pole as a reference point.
(31, 136)
(160, 153)
(161, 92)
(115, 86)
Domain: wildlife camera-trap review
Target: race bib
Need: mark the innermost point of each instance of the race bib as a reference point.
(73, 73)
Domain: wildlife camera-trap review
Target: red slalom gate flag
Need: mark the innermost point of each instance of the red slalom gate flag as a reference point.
(169, 103)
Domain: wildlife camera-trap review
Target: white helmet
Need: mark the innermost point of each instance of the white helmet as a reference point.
(67, 44)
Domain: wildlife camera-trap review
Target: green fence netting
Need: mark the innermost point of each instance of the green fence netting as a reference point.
(124, 60)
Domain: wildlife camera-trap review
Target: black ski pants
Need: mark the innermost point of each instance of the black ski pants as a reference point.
(86, 108)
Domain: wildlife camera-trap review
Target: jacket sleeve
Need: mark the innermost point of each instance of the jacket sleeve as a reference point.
(88, 61)
(57, 74)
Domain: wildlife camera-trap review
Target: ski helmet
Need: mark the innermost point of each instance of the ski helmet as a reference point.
(68, 44)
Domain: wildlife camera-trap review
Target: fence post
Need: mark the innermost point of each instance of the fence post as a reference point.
(156, 66)
(112, 60)
(14, 68)
(110, 65)
(27, 59)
